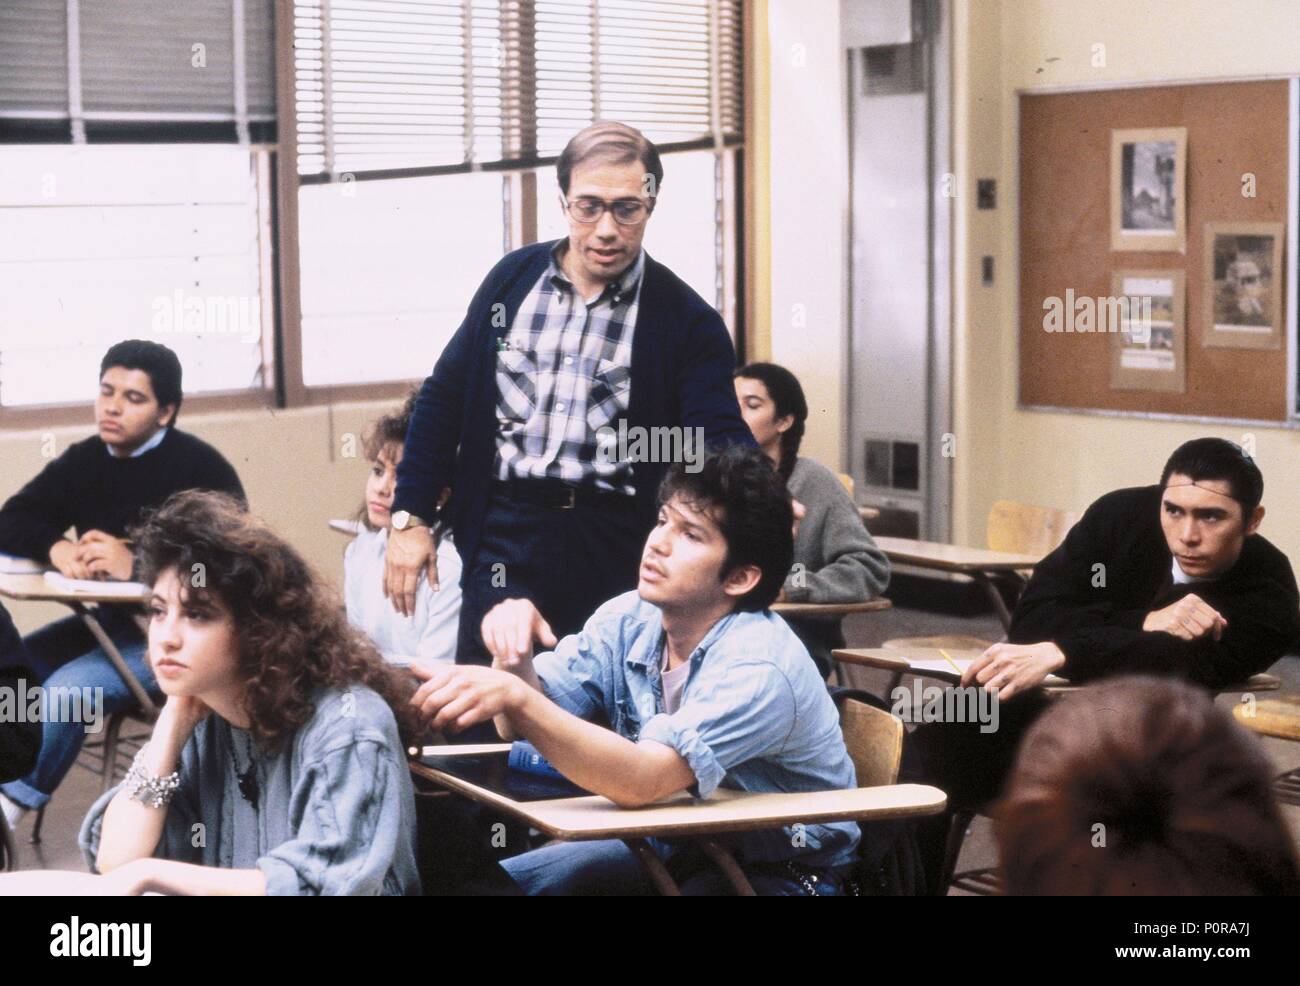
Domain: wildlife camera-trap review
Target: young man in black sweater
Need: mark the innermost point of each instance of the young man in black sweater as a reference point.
(1167, 580)
(100, 487)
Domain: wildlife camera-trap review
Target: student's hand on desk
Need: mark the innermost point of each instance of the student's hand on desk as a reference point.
(510, 628)
(409, 553)
(66, 557)
(106, 556)
(1190, 618)
(454, 697)
(1008, 669)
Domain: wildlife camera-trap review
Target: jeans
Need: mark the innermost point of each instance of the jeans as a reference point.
(65, 655)
(607, 867)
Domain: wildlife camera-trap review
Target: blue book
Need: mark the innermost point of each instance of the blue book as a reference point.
(524, 756)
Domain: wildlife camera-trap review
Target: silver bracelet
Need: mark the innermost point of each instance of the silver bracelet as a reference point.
(152, 792)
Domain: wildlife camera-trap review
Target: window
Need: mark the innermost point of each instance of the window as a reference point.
(388, 269)
(415, 119)
(104, 243)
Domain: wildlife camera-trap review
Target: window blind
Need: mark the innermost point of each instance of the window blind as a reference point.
(416, 87)
(142, 62)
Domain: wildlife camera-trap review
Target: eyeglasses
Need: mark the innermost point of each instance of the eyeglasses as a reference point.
(627, 212)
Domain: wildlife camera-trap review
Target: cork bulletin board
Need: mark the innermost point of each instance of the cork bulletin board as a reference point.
(1233, 130)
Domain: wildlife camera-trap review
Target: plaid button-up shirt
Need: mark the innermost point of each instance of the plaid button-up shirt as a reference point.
(564, 371)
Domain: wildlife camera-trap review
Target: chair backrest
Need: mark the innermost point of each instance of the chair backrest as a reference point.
(847, 480)
(874, 738)
(1022, 528)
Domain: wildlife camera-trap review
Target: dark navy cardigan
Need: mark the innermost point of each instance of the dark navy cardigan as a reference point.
(682, 365)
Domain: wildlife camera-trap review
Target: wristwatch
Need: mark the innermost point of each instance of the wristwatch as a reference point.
(402, 519)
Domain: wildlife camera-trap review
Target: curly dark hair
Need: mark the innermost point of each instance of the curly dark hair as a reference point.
(292, 632)
(751, 506)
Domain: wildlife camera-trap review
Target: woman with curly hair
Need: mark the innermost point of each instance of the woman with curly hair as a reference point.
(428, 634)
(276, 766)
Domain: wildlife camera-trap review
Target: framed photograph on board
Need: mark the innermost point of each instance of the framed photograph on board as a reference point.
(1148, 339)
(1148, 179)
(1243, 285)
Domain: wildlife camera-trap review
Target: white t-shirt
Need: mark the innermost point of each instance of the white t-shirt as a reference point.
(430, 634)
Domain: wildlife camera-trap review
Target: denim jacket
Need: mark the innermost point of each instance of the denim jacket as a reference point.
(754, 714)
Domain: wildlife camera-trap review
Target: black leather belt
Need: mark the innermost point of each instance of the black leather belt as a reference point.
(557, 494)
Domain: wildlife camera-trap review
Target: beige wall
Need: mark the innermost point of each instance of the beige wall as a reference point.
(295, 466)
(1005, 45)
(807, 230)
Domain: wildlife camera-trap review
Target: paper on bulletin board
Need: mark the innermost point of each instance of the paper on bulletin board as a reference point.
(1148, 338)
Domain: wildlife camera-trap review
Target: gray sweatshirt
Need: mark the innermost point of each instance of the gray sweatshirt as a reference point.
(336, 808)
(835, 559)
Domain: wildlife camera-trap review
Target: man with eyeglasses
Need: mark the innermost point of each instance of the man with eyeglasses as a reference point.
(562, 342)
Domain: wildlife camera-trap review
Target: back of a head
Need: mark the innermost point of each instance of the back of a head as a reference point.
(1217, 458)
(1142, 786)
(155, 359)
(753, 511)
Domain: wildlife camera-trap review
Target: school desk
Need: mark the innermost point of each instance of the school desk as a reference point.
(34, 588)
(478, 772)
(980, 564)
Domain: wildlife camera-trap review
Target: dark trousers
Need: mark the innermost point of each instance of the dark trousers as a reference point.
(567, 561)
(969, 766)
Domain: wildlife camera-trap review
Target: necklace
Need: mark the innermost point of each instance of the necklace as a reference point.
(247, 779)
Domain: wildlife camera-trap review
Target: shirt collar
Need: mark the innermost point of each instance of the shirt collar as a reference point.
(148, 446)
(617, 290)
(652, 657)
(1182, 578)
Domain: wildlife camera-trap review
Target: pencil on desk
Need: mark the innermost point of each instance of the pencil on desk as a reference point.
(950, 660)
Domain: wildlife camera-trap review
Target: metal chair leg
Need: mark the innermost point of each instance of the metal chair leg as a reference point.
(654, 867)
(730, 868)
(961, 820)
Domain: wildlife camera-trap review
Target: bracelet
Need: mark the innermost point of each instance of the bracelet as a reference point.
(152, 792)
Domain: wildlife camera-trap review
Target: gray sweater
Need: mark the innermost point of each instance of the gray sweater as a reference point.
(835, 559)
(336, 808)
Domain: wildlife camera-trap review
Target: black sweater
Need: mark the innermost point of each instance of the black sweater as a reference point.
(1099, 627)
(88, 489)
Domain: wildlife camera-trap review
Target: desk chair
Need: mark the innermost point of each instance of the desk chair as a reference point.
(1018, 528)
(1278, 717)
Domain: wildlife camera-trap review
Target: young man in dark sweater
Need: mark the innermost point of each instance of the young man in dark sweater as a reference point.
(1167, 580)
(100, 487)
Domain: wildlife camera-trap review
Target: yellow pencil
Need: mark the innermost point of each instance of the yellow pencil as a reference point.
(950, 661)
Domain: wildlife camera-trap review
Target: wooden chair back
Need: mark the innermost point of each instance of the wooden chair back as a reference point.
(1022, 528)
(874, 739)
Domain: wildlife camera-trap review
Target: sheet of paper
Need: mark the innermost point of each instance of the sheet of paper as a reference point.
(127, 590)
(13, 565)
